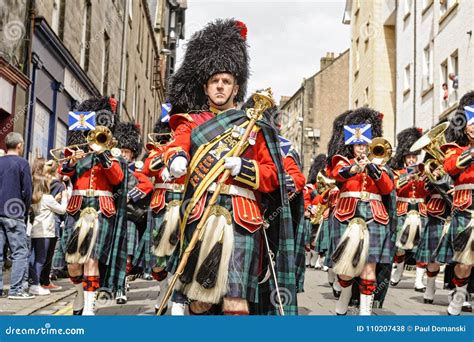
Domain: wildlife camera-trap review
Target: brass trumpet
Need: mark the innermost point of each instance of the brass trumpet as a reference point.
(99, 140)
(380, 151)
(431, 143)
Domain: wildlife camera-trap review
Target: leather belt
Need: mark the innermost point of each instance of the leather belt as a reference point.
(464, 187)
(173, 187)
(92, 193)
(363, 195)
(229, 189)
(411, 200)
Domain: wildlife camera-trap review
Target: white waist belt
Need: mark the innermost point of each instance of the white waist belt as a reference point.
(464, 187)
(410, 200)
(174, 187)
(363, 195)
(229, 189)
(437, 196)
(92, 193)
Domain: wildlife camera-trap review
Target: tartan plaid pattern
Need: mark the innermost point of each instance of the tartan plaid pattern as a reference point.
(380, 244)
(301, 240)
(322, 243)
(132, 238)
(143, 255)
(401, 221)
(430, 239)
(59, 257)
(280, 233)
(460, 220)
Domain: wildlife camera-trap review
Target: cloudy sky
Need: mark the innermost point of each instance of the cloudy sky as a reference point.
(286, 38)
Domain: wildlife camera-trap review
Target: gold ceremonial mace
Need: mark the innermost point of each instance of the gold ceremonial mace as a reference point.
(263, 101)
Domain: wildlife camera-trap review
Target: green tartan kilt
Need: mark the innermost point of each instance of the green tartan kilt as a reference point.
(401, 222)
(301, 240)
(59, 257)
(244, 263)
(322, 243)
(380, 245)
(132, 238)
(103, 243)
(460, 220)
(430, 239)
(142, 255)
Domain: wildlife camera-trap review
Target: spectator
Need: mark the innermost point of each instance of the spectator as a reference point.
(38, 167)
(445, 92)
(43, 231)
(15, 200)
(57, 186)
(453, 77)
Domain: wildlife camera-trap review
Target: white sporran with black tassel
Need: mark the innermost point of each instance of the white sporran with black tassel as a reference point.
(209, 283)
(82, 242)
(410, 233)
(463, 243)
(167, 237)
(351, 253)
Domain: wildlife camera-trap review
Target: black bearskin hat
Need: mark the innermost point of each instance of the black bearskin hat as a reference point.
(336, 143)
(219, 47)
(458, 121)
(361, 116)
(405, 139)
(128, 136)
(104, 117)
(319, 164)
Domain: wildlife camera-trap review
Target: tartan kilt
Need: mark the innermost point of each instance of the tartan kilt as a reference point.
(103, 242)
(460, 220)
(380, 245)
(132, 238)
(301, 241)
(244, 263)
(401, 221)
(430, 239)
(322, 243)
(59, 257)
(142, 255)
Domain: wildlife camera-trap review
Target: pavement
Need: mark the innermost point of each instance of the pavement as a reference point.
(316, 300)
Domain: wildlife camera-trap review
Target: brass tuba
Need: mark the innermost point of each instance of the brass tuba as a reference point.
(380, 151)
(99, 140)
(431, 143)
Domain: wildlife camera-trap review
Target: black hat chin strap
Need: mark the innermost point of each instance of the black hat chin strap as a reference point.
(213, 104)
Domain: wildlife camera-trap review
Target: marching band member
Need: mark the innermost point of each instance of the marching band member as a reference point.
(411, 205)
(456, 245)
(361, 231)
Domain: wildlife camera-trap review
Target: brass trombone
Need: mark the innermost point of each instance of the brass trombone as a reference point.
(156, 140)
(99, 140)
(380, 151)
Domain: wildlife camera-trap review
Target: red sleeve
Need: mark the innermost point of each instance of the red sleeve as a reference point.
(182, 125)
(384, 184)
(144, 183)
(293, 170)
(267, 172)
(114, 173)
(339, 162)
(317, 200)
(146, 167)
(450, 163)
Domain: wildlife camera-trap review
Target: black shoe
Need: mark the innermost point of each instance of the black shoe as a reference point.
(336, 294)
(162, 312)
(420, 289)
(466, 308)
(77, 312)
(392, 283)
(428, 301)
(344, 314)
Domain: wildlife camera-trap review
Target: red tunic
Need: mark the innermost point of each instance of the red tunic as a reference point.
(412, 192)
(463, 176)
(361, 183)
(294, 171)
(96, 178)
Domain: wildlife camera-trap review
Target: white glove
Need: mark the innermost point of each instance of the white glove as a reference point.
(178, 167)
(234, 164)
(165, 174)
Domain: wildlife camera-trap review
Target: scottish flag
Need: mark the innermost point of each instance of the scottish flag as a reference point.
(469, 110)
(358, 134)
(81, 121)
(285, 146)
(165, 112)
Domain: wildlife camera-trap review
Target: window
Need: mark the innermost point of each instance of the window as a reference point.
(126, 77)
(366, 96)
(105, 64)
(86, 36)
(356, 103)
(357, 56)
(427, 3)
(130, 10)
(135, 99)
(41, 124)
(427, 67)
(147, 64)
(444, 86)
(446, 5)
(406, 79)
(62, 14)
(453, 76)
